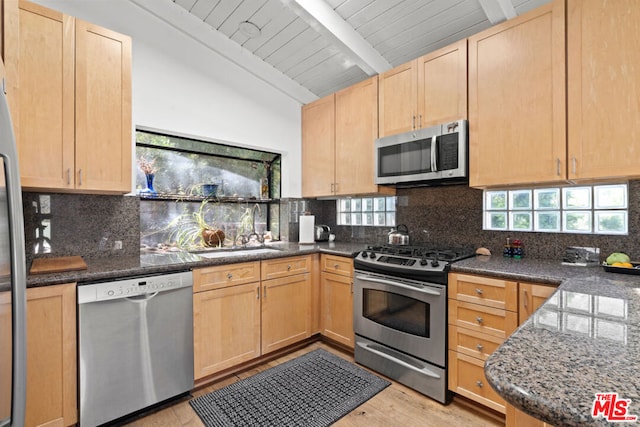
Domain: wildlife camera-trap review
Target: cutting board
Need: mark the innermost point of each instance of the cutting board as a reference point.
(56, 265)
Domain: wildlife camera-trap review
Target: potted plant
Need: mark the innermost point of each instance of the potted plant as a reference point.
(191, 230)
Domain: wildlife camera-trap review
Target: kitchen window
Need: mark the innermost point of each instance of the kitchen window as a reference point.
(588, 209)
(367, 211)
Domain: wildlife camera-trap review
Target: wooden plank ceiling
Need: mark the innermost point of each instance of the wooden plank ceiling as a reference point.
(318, 60)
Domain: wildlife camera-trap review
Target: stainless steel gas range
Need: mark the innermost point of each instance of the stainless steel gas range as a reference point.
(400, 314)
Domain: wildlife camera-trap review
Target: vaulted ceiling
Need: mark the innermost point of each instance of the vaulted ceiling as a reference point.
(311, 48)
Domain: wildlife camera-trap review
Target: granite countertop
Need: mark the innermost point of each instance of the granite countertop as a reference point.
(148, 263)
(584, 340)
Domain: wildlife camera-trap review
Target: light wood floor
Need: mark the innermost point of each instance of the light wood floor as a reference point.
(396, 405)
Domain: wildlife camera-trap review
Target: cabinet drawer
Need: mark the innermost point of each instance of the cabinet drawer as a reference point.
(337, 264)
(281, 267)
(466, 377)
(487, 291)
(472, 343)
(220, 276)
(479, 318)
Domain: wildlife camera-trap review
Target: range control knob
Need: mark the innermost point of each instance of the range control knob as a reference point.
(372, 255)
(424, 261)
(435, 263)
(364, 254)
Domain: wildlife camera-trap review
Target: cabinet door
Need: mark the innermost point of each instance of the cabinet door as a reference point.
(531, 297)
(517, 418)
(398, 99)
(286, 311)
(603, 88)
(226, 328)
(103, 109)
(318, 147)
(356, 131)
(442, 85)
(51, 356)
(337, 308)
(517, 119)
(44, 119)
(489, 291)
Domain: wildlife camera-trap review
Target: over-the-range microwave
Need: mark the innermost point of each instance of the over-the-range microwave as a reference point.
(428, 156)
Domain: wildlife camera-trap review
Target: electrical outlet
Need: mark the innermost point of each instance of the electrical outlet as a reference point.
(117, 245)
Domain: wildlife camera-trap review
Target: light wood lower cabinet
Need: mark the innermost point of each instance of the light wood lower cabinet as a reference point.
(242, 311)
(286, 311)
(483, 311)
(531, 296)
(226, 327)
(51, 356)
(337, 299)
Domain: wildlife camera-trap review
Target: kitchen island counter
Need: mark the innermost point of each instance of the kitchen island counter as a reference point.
(584, 340)
(109, 268)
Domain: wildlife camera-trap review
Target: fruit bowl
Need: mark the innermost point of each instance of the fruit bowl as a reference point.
(635, 269)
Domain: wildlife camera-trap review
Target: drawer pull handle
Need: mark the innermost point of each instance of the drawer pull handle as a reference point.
(479, 319)
(336, 266)
(288, 267)
(480, 347)
(229, 276)
(479, 383)
(478, 291)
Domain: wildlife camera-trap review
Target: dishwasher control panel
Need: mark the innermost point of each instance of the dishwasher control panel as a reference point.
(135, 287)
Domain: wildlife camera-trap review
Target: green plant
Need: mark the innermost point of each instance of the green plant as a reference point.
(191, 230)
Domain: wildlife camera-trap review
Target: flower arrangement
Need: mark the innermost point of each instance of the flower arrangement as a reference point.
(147, 166)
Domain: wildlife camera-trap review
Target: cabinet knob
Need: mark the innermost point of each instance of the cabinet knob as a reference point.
(288, 267)
(479, 319)
(480, 347)
(479, 291)
(229, 276)
(336, 266)
(479, 383)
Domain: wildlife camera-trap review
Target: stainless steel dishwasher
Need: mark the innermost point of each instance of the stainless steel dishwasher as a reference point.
(135, 344)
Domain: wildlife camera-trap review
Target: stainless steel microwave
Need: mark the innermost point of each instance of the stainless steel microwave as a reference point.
(429, 156)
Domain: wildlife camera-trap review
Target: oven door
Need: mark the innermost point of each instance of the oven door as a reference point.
(406, 315)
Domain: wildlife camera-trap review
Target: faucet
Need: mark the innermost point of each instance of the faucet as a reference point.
(258, 238)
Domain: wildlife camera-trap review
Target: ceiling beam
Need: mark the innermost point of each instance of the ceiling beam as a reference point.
(326, 21)
(194, 28)
(498, 10)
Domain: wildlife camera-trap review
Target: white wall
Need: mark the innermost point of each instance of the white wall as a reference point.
(180, 86)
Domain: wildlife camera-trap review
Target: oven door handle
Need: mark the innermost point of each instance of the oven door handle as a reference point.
(401, 285)
(424, 371)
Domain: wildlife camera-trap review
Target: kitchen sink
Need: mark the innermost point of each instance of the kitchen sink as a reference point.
(238, 252)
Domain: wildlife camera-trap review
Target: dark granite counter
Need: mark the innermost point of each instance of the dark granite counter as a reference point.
(584, 340)
(103, 269)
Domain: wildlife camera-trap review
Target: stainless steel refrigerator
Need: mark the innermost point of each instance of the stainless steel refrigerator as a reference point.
(12, 276)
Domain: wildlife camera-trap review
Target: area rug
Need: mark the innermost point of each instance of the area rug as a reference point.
(315, 389)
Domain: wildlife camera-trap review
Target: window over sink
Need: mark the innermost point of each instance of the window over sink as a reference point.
(588, 209)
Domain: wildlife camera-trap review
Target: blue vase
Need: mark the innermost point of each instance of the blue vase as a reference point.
(149, 191)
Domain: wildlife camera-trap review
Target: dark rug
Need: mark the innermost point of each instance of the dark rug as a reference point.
(315, 389)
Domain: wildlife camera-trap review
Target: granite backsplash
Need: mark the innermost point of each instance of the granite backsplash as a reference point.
(89, 225)
(452, 216)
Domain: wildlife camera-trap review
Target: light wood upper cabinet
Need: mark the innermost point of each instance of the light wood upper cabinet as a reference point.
(398, 99)
(426, 91)
(517, 119)
(318, 147)
(51, 356)
(338, 134)
(603, 89)
(72, 114)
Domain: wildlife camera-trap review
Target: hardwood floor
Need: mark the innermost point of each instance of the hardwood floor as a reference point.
(396, 405)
